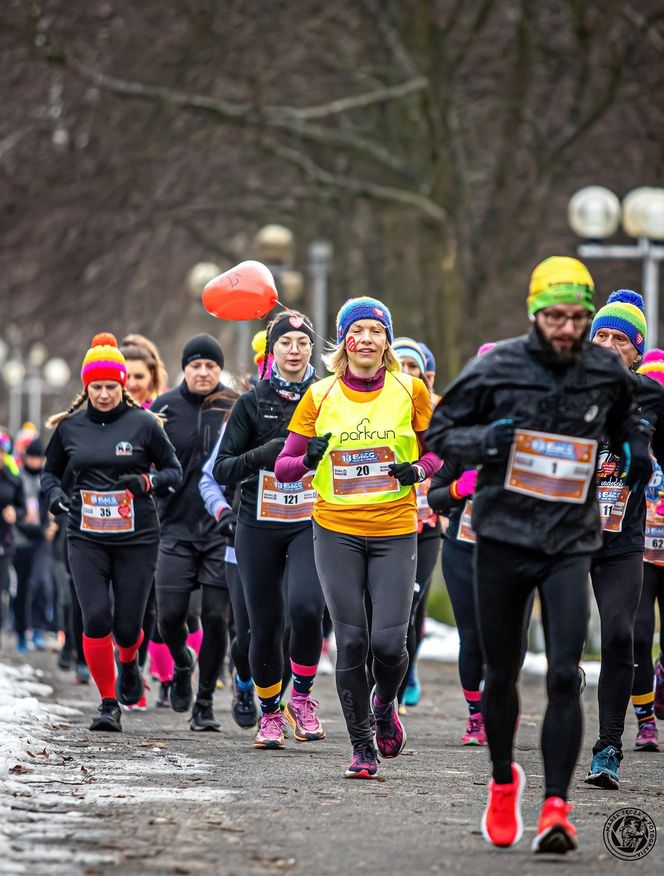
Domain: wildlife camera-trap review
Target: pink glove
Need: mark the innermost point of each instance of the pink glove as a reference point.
(465, 485)
(660, 507)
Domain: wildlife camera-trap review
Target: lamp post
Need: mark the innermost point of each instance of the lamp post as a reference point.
(41, 376)
(595, 213)
(320, 258)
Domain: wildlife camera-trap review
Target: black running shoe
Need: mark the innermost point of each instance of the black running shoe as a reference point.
(110, 717)
(163, 699)
(202, 717)
(243, 708)
(181, 692)
(129, 685)
(65, 659)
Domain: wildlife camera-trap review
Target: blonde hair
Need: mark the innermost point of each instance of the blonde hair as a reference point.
(153, 360)
(336, 360)
(82, 398)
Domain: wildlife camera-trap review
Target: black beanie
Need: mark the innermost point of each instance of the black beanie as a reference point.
(34, 448)
(202, 347)
(293, 323)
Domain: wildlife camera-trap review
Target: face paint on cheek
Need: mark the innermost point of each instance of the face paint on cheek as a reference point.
(351, 345)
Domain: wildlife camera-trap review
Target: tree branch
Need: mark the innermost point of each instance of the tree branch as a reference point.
(345, 104)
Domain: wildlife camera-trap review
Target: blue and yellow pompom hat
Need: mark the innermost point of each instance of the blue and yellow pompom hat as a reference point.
(363, 307)
(623, 311)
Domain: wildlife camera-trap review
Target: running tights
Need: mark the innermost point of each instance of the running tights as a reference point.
(617, 582)
(350, 566)
(644, 628)
(505, 578)
(458, 574)
(240, 641)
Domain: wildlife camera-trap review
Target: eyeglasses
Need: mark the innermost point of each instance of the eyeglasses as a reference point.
(557, 319)
(303, 344)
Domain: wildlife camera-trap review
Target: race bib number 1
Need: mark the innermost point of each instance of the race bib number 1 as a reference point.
(555, 468)
(105, 513)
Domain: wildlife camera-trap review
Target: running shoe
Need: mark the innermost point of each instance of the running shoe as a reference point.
(556, 834)
(647, 739)
(243, 707)
(21, 645)
(474, 734)
(181, 692)
(141, 705)
(604, 769)
(659, 690)
(502, 824)
(365, 762)
(270, 733)
(413, 692)
(129, 685)
(110, 717)
(202, 717)
(301, 715)
(65, 659)
(38, 640)
(390, 734)
(163, 697)
(82, 673)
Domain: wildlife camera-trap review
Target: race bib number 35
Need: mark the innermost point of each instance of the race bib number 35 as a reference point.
(284, 503)
(105, 513)
(363, 471)
(555, 468)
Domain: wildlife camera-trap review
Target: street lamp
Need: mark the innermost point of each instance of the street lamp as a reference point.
(594, 213)
(13, 373)
(320, 257)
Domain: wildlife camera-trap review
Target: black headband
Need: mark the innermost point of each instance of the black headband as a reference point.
(290, 323)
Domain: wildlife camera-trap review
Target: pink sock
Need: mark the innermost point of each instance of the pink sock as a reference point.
(195, 640)
(161, 662)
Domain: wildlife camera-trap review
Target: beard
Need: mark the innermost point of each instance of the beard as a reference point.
(560, 358)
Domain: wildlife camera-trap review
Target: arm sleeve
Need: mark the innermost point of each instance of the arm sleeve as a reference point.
(290, 465)
(162, 453)
(211, 492)
(235, 458)
(54, 467)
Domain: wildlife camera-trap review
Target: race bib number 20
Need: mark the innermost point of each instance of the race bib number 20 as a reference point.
(555, 468)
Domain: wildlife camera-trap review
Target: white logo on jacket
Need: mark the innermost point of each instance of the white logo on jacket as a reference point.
(123, 448)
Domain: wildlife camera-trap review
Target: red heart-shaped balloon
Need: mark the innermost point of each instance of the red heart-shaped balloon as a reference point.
(246, 291)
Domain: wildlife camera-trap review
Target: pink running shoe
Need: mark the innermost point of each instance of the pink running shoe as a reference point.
(301, 715)
(390, 734)
(659, 690)
(270, 733)
(647, 738)
(474, 734)
(365, 762)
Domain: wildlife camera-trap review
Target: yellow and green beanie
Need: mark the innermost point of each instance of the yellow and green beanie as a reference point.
(623, 311)
(560, 280)
(104, 361)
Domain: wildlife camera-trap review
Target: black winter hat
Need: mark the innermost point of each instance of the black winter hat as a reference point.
(202, 347)
(34, 448)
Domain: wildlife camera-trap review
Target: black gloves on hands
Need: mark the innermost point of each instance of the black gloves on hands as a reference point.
(498, 439)
(60, 503)
(316, 450)
(407, 473)
(265, 456)
(636, 460)
(136, 484)
(227, 522)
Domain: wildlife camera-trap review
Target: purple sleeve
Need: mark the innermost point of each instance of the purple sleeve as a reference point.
(289, 466)
(429, 461)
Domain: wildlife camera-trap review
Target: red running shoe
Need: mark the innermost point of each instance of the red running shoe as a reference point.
(502, 824)
(555, 832)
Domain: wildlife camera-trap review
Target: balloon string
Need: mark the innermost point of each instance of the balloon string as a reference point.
(313, 330)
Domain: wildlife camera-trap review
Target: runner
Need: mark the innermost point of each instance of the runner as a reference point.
(648, 703)
(532, 412)
(110, 446)
(191, 554)
(617, 569)
(361, 429)
(12, 508)
(412, 358)
(273, 540)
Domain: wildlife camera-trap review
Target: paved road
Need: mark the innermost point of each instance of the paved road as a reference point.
(162, 800)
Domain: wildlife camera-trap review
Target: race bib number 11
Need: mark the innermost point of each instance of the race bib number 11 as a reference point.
(555, 468)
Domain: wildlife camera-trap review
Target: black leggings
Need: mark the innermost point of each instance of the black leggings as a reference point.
(458, 562)
(350, 566)
(240, 640)
(278, 575)
(427, 554)
(644, 628)
(113, 585)
(505, 576)
(617, 582)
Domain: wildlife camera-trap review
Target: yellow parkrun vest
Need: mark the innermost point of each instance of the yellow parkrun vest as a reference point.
(366, 438)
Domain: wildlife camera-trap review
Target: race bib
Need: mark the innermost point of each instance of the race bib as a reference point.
(466, 532)
(424, 512)
(654, 547)
(361, 471)
(106, 513)
(612, 506)
(284, 503)
(555, 468)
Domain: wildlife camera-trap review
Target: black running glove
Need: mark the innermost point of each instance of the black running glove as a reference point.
(265, 456)
(227, 523)
(136, 484)
(406, 473)
(499, 438)
(60, 504)
(637, 463)
(316, 450)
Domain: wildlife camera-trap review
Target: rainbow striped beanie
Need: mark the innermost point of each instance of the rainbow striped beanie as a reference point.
(363, 307)
(104, 361)
(623, 311)
(653, 365)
